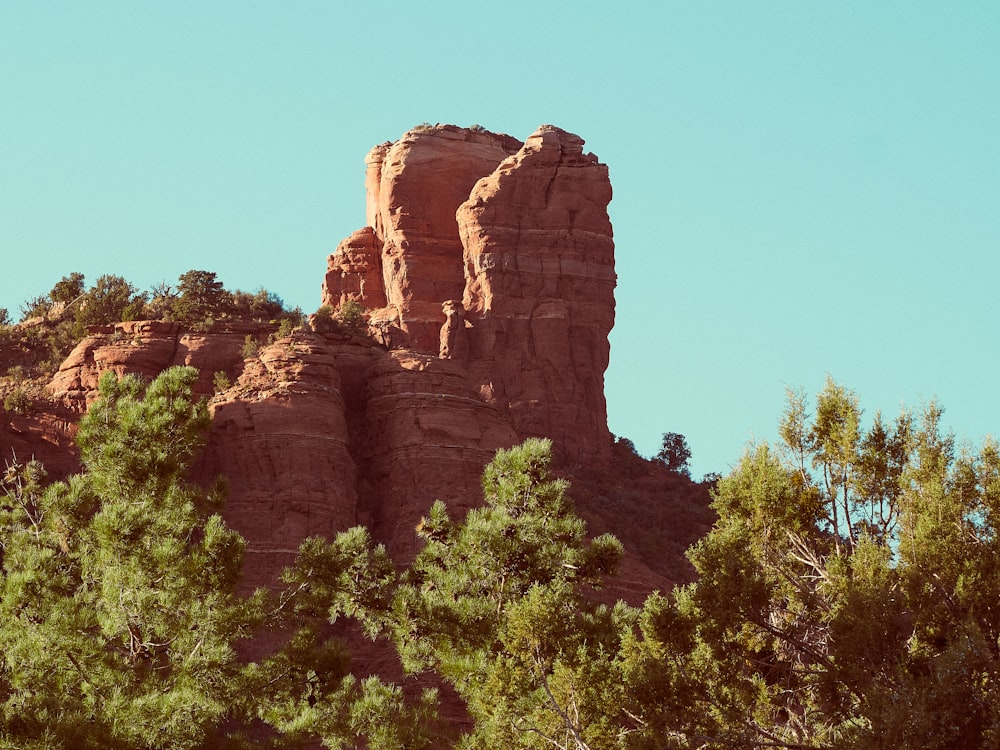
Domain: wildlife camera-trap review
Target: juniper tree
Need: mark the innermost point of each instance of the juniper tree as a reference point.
(846, 595)
(200, 297)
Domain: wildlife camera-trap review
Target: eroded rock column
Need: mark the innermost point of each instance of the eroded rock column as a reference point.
(540, 280)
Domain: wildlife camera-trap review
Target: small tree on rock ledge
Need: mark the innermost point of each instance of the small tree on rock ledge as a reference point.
(675, 454)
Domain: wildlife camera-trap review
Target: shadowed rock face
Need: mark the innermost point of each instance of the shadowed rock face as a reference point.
(520, 234)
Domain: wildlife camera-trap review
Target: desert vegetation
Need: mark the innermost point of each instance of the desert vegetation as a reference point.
(52, 323)
(845, 597)
(348, 318)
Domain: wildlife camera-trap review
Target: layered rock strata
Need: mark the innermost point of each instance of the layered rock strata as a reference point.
(280, 438)
(316, 433)
(520, 235)
(146, 348)
(487, 273)
(540, 279)
(429, 437)
(413, 187)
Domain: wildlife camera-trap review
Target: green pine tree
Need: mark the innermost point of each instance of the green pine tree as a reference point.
(118, 616)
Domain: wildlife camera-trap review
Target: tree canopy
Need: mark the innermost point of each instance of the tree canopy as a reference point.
(846, 595)
(674, 453)
(846, 598)
(198, 298)
(118, 617)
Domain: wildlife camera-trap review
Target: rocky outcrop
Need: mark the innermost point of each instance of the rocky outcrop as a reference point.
(146, 348)
(429, 437)
(499, 256)
(46, 434)
(321, 433)
(487, 274)
(540, 279)
(486, 270)
(354, 272)
(413, 188)
(317, 432)
(280, 438)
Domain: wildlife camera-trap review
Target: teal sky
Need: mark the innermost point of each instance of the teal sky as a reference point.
(800, 188)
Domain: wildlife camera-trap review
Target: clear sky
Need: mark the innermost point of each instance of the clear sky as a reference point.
(800, 188)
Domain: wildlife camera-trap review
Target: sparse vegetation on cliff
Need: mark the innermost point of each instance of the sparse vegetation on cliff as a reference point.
(350, 316)
(17, 401)
(51, 324)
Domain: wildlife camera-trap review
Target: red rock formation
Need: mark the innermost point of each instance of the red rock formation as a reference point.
(319, 432)
(324, 432)
(492, 262)
(280, 438)
(540, 279)
(354, 271)
(413, 188)
(45, 434)
(487, 272)
(429, 437)
(520, 233)
(146, 348)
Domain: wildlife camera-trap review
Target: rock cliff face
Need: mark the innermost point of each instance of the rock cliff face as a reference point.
(280, 438)
(499, 256)
(147, 347)
(323, 432)
(45, 434)
(413, 188)
(540, 279)
(317, 433)
(487, 274)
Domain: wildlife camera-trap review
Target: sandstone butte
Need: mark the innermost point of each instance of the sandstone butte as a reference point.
(486, 270)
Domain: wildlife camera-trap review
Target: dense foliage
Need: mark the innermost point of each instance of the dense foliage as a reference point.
(846, 597)
(497, 606)
(117, 613)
